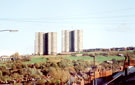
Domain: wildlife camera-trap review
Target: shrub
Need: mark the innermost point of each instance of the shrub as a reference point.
(41, 82)
(59, 74)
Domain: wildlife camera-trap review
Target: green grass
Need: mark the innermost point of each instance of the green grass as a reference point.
(36, 60)
(92, 52)
(85, 58)
(97, 59)
(103, 58)
(131, 51)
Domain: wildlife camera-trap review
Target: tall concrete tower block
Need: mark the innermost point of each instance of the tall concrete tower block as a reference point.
(65, 40)
(39, 43)
(72, 41)
(36, 43)
(78, 40)
(45, 43)
(52, 43)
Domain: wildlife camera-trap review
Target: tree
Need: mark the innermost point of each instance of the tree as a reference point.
(41, 82)
(15, 55)
(59, 74)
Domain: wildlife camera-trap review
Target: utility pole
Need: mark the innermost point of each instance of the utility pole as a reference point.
(94, 69)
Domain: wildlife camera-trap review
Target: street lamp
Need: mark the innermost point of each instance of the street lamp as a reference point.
(9, 30)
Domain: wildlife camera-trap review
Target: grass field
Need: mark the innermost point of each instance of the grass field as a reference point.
(36, 60)
(98, 59)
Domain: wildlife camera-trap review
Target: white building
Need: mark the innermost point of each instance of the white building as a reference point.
(45, 43)
(72, 41)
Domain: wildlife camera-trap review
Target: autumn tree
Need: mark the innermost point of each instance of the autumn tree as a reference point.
(59, 74)
(15, 55)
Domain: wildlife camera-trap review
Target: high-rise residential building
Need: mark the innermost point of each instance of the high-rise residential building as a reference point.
(39, 43)
(46, 43)
(52, 43)
(78, 40)
(65, 41)
(72, 41)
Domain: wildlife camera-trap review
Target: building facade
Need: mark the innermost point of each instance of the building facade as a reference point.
(39, 42)
(78, 40)
(65, 41)
(52, 43)
(45, 43)
(72, 41)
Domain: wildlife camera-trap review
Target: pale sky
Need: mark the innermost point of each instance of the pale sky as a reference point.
(105, 23)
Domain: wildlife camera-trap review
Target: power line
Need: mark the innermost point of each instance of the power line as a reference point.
(117, 10)
(64, 18)
(68, 19)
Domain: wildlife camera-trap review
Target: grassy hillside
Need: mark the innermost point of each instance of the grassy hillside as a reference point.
(98, 59)
(36, 60)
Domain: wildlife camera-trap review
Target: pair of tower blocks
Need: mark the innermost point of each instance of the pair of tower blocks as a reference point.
(46, 43)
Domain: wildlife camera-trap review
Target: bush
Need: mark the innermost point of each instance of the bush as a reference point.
(41, 82)
(26, 58)
(59, 74)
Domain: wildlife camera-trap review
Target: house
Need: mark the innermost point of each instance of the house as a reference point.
(5, 58)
